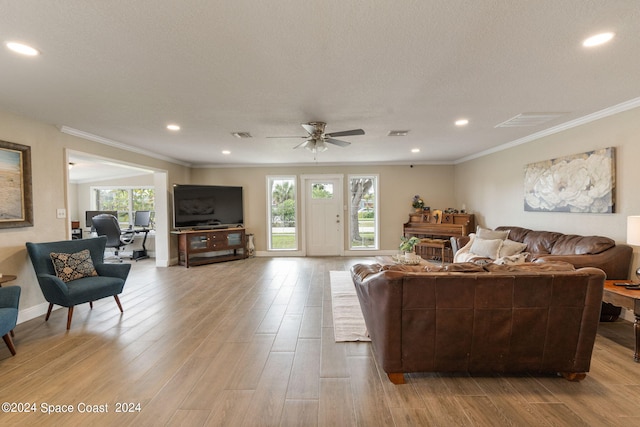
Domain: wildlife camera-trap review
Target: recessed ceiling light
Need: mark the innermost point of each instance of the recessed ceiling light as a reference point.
(597, 40)
(398, 132)
(462, 122)
(226, 152)
(415, 150)
(241, 134)
(173, 127)
(22, 49)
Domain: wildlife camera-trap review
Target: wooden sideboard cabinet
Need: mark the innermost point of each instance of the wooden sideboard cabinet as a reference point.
(197, 247)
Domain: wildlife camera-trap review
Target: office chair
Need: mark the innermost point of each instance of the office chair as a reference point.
(107, 225)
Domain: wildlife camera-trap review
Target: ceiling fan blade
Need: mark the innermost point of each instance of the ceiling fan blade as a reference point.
(304, 144)
(307, 136)
(309, 128)
(337, 142)
(346, 133)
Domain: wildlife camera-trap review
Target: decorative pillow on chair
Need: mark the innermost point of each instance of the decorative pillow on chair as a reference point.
(73, 266)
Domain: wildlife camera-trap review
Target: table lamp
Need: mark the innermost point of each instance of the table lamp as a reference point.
(633, 234)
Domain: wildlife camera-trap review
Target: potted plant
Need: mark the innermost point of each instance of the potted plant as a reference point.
(408, 246)
(417, 203)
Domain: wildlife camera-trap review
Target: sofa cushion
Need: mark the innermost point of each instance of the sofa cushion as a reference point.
(541, 242)
(531, 267)
(74, 266)
(571, 244)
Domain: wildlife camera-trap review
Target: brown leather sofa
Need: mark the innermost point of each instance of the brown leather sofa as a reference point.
(535, 318)
(580, 251)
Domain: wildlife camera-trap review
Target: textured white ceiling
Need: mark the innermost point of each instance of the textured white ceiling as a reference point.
(122, 70)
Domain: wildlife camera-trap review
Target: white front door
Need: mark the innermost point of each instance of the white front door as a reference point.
(323, 215)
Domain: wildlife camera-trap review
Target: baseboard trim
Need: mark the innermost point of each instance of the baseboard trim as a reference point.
(33, 312)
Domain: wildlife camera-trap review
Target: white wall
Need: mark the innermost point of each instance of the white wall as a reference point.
(50, 192)
(492, 186)
(397, 186)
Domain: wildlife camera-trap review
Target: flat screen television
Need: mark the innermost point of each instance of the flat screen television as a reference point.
(207, 206)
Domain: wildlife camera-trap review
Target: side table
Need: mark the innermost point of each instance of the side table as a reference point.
(7, 278)
(626, 298)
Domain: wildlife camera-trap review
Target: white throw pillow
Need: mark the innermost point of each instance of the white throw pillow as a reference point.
(489, 234)
(487, 248)
(510, 247)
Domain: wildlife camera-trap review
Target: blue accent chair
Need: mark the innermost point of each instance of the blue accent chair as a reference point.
(9, 298)
(109, 281)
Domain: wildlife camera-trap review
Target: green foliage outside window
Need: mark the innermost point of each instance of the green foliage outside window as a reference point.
(126, 201)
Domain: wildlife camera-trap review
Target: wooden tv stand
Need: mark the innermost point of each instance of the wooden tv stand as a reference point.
(197, 247)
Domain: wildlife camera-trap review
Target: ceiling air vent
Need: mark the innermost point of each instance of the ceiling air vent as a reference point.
(529, 119)
(241, 134)
(398, 132)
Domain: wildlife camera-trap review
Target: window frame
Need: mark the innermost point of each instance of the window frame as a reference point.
(94, 189)
(269, 180)
(376, 212)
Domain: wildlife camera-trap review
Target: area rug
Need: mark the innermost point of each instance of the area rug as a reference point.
(348, 323)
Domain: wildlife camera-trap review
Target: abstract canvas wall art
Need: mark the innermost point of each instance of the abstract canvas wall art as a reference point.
(582, 182)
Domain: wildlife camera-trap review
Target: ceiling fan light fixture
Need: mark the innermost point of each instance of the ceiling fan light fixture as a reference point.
(316, 146)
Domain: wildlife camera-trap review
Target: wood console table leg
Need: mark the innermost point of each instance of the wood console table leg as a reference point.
(636, 329)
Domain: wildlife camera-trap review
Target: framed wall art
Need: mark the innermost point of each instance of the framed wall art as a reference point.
(16, 202)
(582, 182)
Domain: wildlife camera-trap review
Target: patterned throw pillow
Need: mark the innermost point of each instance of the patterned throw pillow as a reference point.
(73, 266)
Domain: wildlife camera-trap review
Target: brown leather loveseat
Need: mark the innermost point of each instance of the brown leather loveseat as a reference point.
(536, 318)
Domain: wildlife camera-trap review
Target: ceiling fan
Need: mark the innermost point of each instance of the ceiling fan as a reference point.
(317, 139)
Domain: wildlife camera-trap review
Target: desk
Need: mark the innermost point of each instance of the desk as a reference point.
(139, 254)
(7, 278)
(629, 299)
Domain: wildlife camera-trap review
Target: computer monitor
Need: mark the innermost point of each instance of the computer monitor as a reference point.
(90, 214)
(142, 219)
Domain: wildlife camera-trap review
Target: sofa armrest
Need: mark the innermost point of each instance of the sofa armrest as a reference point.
(54, 290)
(120, 271)
(380, 296)
(458, 242)
(615, 262)
(9, 297)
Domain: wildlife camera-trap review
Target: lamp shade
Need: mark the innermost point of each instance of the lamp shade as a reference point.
(633, 230)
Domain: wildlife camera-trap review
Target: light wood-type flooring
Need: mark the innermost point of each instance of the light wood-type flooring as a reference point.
(250, 343)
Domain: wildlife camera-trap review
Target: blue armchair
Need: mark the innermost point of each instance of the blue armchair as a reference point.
(9, 298)
(107, 279)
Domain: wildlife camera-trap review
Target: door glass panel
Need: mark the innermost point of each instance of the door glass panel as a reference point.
(322, 190)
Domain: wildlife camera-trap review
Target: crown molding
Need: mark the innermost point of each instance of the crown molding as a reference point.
(106, 141)
(610, 111)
